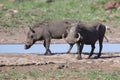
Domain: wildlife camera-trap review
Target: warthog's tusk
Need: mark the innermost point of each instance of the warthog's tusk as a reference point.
(78, 37)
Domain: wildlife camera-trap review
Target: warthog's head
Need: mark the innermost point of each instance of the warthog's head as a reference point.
(31, 38)
(72, 34)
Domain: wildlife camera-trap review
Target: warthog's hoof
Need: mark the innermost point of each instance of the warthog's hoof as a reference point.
(89, 57)
(48, 54)
(79, 58)
(67, 53)
(96, 57)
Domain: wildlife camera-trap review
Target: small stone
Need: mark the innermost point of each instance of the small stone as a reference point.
(89, 62)
(59, 66)
(1, 5)
(116, 61)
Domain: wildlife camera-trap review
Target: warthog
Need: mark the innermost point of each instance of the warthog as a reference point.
(89, 34)
(46, 31)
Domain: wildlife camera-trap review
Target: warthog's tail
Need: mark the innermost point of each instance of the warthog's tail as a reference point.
(108, 29)
(106, 39)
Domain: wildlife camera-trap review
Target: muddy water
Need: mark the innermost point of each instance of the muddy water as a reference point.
(55, 48)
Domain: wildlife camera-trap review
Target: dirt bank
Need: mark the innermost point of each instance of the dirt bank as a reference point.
(107, 59)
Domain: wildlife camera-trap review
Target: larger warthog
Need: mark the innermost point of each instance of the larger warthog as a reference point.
(89, 34)
(46, 31)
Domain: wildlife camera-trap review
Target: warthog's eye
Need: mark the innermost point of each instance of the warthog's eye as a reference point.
(32, 36)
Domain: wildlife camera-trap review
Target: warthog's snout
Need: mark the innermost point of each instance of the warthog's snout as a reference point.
(27, 45)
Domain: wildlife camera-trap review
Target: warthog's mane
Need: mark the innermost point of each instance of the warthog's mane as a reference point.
(39, 24)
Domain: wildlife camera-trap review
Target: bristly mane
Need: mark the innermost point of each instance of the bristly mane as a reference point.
(40, 23)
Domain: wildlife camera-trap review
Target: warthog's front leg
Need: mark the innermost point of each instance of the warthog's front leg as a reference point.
(80, 51)
(47, 45)
(71, 45)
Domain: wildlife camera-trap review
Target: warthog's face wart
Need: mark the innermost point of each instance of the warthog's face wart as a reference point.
(31, 39)
(72, 35)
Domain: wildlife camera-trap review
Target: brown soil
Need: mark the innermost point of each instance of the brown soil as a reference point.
(108, 61)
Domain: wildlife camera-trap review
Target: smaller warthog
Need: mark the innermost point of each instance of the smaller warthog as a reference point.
(46, 31)
(88, 34)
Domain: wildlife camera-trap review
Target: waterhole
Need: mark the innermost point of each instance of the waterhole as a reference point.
(55, 48)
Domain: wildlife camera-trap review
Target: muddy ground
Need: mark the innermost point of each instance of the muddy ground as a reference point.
(25, 62)
(108, 61)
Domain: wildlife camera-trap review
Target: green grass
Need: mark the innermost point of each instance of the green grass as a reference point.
(31, 11)
(101, 75)
(59, 74)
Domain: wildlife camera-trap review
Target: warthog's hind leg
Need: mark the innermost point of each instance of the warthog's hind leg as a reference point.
(92, 50)
(101, 46)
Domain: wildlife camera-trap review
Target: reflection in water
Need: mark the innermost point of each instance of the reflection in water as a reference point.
(55, 48)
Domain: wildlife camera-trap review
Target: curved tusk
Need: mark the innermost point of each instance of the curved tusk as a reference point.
(78, 37)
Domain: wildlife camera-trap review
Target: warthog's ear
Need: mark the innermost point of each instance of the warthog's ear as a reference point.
(79, 23)
(31, 29)
(67, 29)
